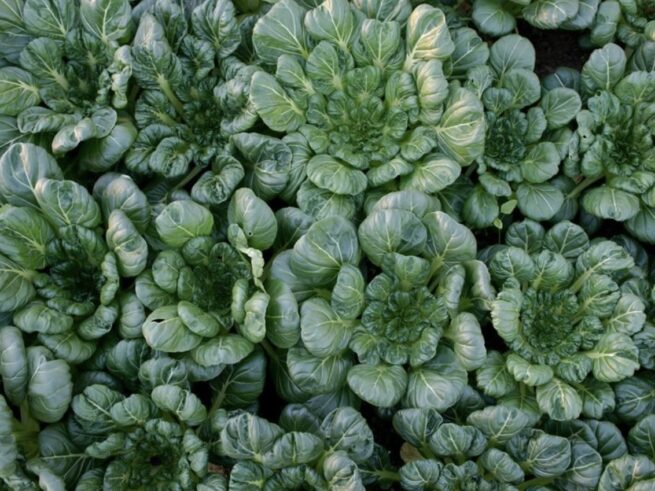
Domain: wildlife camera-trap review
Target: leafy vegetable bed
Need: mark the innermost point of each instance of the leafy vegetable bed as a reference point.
(341, 244)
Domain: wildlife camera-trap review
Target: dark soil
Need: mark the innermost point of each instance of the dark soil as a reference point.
(554, 48)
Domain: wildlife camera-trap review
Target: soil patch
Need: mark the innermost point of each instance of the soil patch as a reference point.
(554, 48)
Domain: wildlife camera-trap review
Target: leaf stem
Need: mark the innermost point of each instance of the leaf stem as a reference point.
(388, 475)
(189, 177)
(170, 95)
(539, 481)
(582, 185)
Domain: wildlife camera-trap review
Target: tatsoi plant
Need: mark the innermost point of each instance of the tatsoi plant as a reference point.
(326, 245)
(362, 92)
(303, 452)
(194, 97)
(64, 251)
(567, 323)
(66, 78)
(411, 327)
(204, 291)
(613, 160)
(498, 17)
(522, 152)
(142, 440)
(631, 22)
(496, 448)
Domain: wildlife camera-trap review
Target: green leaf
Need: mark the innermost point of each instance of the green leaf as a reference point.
(380, 385)
(277, 109)
(267, 162)
(49, 389)
(559, 400)
(493, 18)
(50, 18)
(586, 466)
(282, 317)
(498, 423)
(67, 203)
(501, 466)
(222, 350)
(527, 373)
(628, 316)
(427, 36)
(511, 52)
(163, 330)
(438, 383)
(611, 203)
(181, 221)
(323, 332)
(541, 163)
(18, 91)
(281, 31)
(493, 378)
(480, 208)
(294, 448)
(254, 217)
(431, 174)
(560, 106)
(125, 241)
(24, 236)
(547, 455)
(448, 242)
(391, 230)
(614, 357)
(598, 398)
(641, 437)
(319, 254)
(338, 177)
(468, 343)
(539, 201)
(332, 21)
(347, 299)
(461, 130)
(215, 21)
(183, 404)
(17, 288)
(13, 364)
(248, 437)
(21, 167)
(452, 440)
(604, 69)
(345, 429)
(548, 14)
(214, 188)
(241, 384)
(108, 20)
(421, 474)
(317, 375)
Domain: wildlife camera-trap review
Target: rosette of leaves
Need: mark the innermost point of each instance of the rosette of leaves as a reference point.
(194, 98)
(144, 440)
(568, 325)
(303, 452)
(413, 327)
(33, 460)
(362, 92)
(527, 137)
(632, 22)
(496, 448)
(65, 79)
(629, 472)
(498, 17)
(64, 251)
(614, 161)
(203, 291)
